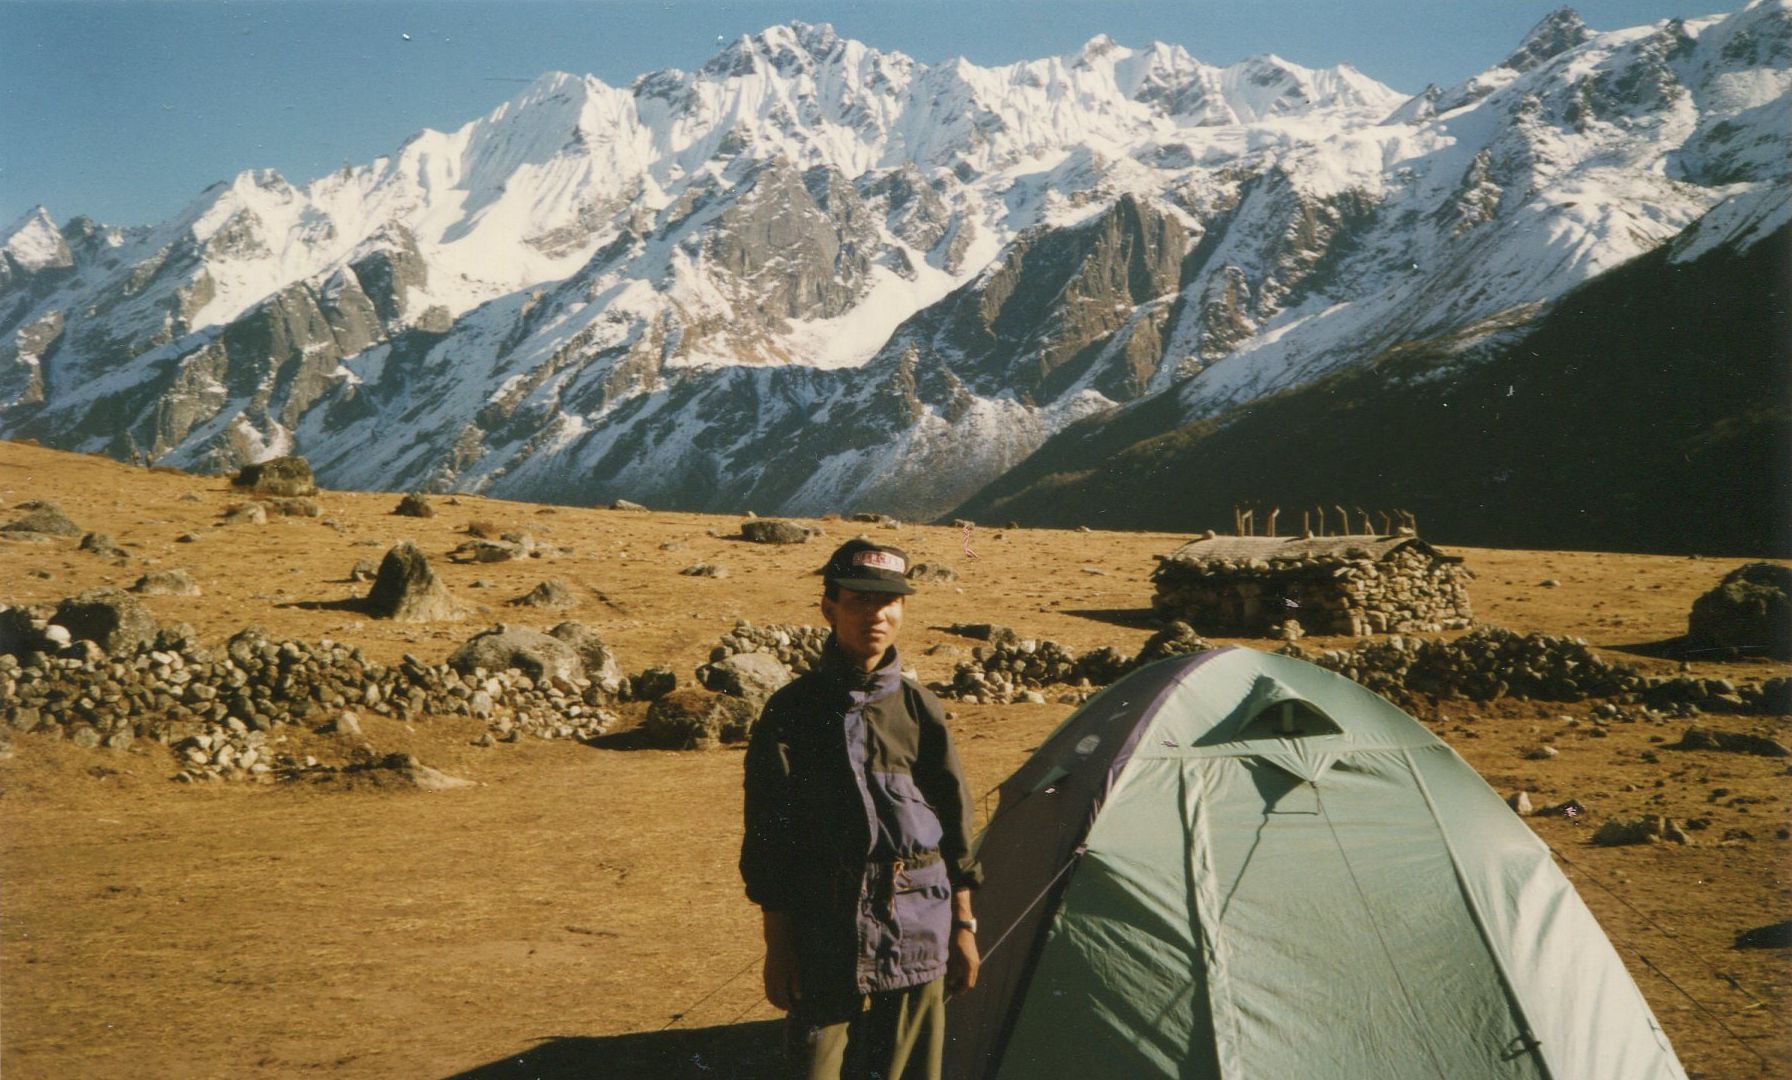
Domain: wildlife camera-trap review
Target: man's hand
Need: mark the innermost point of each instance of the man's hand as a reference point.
(962, 962)
(962, 958)
(781, 985)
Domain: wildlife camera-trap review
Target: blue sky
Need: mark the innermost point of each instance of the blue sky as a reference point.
(123, 110)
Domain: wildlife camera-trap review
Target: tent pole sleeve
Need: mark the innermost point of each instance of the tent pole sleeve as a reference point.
(1204, 913)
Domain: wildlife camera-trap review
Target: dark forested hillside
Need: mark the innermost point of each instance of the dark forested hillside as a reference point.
(1651, 410)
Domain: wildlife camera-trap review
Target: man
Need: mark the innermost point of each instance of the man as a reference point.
(857, 845)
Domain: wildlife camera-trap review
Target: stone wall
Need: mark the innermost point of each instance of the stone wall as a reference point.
(223, 712)
(1408, 591)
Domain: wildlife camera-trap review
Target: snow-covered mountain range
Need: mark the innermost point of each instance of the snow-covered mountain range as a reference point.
(814, 276)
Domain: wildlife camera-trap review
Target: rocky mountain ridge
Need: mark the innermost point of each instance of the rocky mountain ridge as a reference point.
(812, 275)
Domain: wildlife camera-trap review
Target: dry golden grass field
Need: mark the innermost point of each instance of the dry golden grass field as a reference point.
(577, 913)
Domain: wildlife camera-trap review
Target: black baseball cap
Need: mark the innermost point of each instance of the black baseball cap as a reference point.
(863, 566)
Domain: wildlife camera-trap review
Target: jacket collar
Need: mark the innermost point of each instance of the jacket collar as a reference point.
(838, 669)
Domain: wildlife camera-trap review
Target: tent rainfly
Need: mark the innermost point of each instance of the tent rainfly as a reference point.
(1239, 866)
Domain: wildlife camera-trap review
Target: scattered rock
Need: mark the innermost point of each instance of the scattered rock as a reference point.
(599, 660)
(1550, 583)
(1540, 753)
(346, 723)
(696, 719)
(486, 551)
(773, 531)
(990, 632)
(552, 593)
(1750, 611)
(652, 684)
(101, 544)
(415, 504)
(1520, 802)
(405, 589)
(624, 504)
(531, 652)
(1570, 809)
(703, 569)
(1698, 738)
(1177, 638)
(246, 514)
(166, 583)
(187, 538)
(109, 617)
(1647, 829)
(44, 518)
(364, 570)
(752, 676)
(289, 476)
(423, 776)
(292, 507)
(932, 573)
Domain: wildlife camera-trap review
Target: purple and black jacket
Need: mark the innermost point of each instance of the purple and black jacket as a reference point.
(858, 826)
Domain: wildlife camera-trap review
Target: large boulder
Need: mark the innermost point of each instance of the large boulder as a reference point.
(110, 618)
(166, 583)
(752, 676)
(1750, 611)
(771, 531)
(531, 652)
(416, 504)
(44, 518)
(102, 545)
(696, 719)
(552, 593)
(289, 476)
(599, 660)
(407, 590)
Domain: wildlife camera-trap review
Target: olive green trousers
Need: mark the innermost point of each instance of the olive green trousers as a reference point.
(895, 1035)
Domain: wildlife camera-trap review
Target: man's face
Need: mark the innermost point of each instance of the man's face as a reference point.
(865, 623)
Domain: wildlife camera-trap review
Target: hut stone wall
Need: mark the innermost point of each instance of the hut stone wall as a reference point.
(1407, 590)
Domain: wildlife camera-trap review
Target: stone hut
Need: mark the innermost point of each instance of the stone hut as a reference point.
(1354, 585)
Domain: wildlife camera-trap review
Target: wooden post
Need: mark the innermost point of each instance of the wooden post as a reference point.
(1274, 512)
(1386, 522)
(1363, 516)
(1249, 524)
(1343, 519)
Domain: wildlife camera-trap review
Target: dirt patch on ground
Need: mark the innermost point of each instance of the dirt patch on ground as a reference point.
(576, 912)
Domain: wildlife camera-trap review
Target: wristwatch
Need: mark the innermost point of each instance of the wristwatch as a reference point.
(965, 924)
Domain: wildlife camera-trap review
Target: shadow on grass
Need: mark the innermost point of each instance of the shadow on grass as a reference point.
(726, 1052)
(1678, 648)
(1132, 618)
(357, 605)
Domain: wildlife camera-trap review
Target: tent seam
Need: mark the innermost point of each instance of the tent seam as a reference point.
(1474, 909)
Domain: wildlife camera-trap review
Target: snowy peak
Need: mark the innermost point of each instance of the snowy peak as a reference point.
(1558, 32)
(1266, 86)
(665, 290)
(33, 243)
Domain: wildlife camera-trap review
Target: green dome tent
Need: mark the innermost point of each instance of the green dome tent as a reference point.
(1240, 866)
